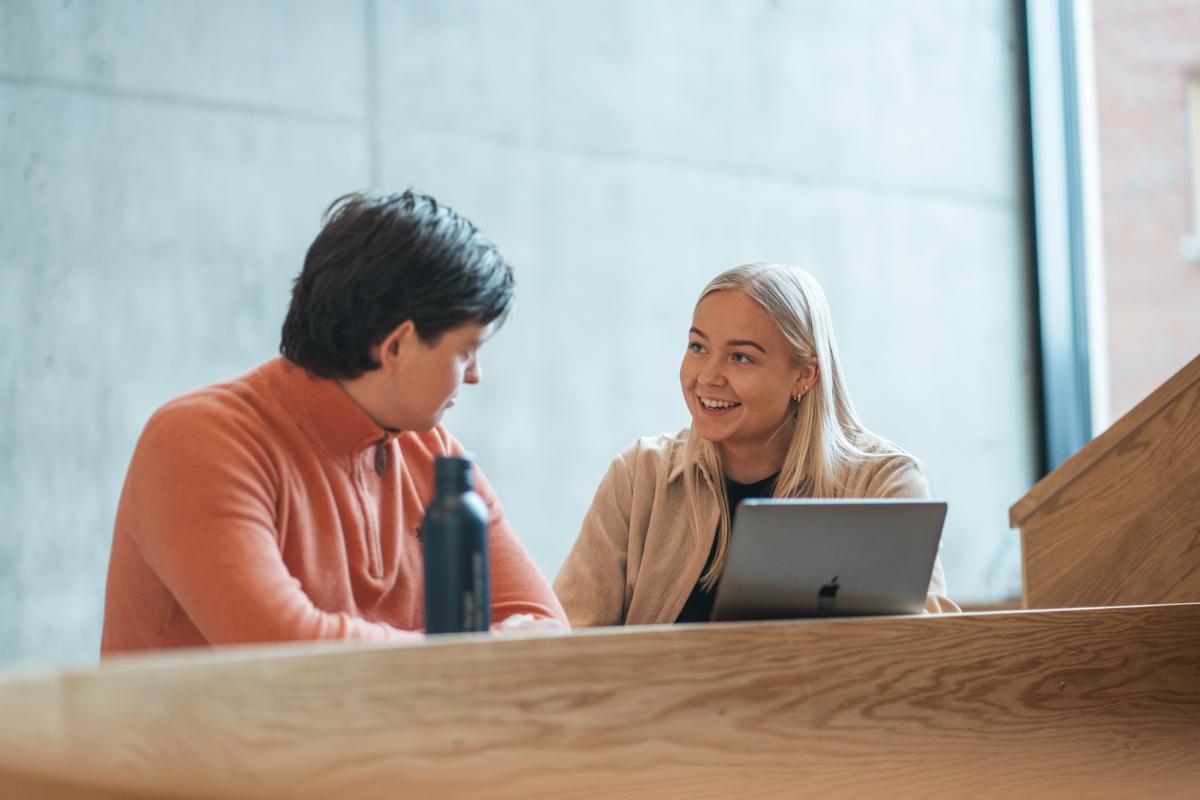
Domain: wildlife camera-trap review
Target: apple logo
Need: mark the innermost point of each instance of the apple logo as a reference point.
(827, 595)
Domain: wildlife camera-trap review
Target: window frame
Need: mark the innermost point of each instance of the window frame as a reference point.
(1063, 199)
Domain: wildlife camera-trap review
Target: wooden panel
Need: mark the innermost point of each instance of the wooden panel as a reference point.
(1129, 530)
(20, 786)
(1186, 381)
(1064, 703)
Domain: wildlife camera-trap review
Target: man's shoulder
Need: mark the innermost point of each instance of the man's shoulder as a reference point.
(418, 450)
(212, 434)
(234, 404)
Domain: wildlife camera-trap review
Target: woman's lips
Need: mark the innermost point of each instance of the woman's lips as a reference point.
(719, 411)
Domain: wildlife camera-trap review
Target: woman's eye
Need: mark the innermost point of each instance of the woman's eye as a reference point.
(695, 347)
(741, 358)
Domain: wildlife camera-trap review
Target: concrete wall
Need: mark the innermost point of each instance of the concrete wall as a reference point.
(165, 166)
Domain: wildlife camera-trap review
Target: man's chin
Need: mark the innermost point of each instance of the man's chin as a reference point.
(423, 423)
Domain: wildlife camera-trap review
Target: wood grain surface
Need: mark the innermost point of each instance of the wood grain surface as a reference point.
(1126, 531)
(1186, 381)
(1077, 703)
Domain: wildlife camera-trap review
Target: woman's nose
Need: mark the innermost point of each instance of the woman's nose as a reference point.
(711, 373)
(473, 373)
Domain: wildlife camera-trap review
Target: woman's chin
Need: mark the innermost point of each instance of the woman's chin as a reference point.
(710, 430)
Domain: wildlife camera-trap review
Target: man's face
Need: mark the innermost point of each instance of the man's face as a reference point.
(428, 376)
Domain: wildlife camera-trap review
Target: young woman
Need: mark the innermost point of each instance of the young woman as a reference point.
(771, 417)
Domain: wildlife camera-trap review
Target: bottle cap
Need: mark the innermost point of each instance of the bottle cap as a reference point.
(453, 474)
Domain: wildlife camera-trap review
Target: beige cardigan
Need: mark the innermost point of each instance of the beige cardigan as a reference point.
(637, 560)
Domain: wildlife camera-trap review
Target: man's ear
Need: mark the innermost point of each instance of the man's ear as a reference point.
(390, 353)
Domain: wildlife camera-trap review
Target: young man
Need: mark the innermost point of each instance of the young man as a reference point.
(286, 504)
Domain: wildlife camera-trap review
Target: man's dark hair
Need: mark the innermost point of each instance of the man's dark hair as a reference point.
(379, 261)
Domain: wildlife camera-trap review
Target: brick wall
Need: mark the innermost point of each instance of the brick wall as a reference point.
(1145, 51)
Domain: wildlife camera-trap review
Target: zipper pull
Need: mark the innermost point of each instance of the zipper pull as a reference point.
(381, 455)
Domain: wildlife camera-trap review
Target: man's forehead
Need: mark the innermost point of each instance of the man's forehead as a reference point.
(473, 332)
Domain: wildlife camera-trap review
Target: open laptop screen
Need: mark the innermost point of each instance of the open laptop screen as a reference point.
(808, 558)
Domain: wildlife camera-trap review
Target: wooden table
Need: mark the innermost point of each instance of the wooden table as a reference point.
(1072, 703)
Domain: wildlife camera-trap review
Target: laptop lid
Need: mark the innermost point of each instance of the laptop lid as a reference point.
(793, 558)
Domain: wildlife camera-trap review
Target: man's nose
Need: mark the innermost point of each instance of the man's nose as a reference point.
(473, 373)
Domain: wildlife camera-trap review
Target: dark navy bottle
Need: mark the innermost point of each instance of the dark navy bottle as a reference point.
(455, 531)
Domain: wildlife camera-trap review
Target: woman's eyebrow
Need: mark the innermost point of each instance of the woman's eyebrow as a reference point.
(746, 343)
(733, 342)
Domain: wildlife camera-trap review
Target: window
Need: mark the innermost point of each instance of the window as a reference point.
(1191, 244)
(1148, 117)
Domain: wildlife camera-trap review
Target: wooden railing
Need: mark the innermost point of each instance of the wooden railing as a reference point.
(1119, 522)
(1062, 703)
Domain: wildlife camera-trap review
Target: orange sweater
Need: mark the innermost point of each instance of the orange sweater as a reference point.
(271, 508)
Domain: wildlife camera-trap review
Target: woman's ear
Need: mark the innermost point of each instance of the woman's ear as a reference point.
(810, 373)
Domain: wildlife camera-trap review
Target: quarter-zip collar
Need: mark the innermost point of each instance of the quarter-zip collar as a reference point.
(327, 413)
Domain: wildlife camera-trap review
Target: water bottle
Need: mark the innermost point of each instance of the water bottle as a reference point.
(455, 531)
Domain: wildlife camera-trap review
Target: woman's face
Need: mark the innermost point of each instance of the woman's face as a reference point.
(737, 374)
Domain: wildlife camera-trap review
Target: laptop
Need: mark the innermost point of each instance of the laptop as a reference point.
(791, 558)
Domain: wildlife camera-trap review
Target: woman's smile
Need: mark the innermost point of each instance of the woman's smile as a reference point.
(714, 407)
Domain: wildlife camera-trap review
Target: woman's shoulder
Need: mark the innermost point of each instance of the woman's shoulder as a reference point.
(658, 459)
(887, 471)
(875, 445)
(662, 451)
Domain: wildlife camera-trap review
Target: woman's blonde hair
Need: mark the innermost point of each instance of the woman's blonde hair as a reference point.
(825, 423)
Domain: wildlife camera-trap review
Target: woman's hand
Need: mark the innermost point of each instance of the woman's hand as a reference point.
(524, 623)
(937, 604)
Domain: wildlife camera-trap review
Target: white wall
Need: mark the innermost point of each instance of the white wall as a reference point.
(624, 154)
(165, 166)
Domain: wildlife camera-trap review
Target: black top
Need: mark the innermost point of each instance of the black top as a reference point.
(699, 605)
